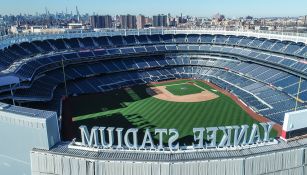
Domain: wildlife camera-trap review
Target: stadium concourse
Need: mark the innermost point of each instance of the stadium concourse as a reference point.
(267, 75)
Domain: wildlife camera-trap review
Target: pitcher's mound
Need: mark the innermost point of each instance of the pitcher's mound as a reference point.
(162, 93)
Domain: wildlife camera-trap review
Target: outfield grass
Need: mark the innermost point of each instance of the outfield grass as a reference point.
(133, 107)
(183, 89)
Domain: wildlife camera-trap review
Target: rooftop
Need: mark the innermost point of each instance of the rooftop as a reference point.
(150, 156)
(35, 113)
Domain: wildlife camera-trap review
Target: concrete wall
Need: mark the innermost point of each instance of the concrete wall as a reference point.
(19, 134)
(285, 163)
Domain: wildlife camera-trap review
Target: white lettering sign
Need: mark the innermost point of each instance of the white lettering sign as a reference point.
(230, 136)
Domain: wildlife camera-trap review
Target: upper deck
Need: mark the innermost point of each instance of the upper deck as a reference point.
(8, 40)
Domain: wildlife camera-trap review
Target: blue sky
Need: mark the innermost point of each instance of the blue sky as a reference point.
(231, 8)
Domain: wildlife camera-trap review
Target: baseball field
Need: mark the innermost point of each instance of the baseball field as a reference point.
(180, 104)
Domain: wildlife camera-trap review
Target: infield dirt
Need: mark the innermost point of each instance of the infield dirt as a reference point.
(160, 92)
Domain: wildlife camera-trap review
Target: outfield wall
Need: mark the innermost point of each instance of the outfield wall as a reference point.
(274, 163)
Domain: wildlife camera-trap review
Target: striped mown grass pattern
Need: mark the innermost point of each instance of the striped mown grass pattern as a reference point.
(149, 112)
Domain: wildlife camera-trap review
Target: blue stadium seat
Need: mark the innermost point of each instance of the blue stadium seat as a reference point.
(233, 40)
(142, 39)
(257, 42)
(72, 43)
(103, 42)
(193, 38)
(87, 42)
(167, 38)
(130, 40)
(220, 39)
(154, 39)
(117, 40)
(44, 46)
(85, 54)
(206, 38)
(58, 44)
(180, 38)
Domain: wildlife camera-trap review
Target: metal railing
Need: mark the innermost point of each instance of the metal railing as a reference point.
(8, 40)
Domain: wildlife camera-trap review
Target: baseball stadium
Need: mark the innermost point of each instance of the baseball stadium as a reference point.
(51, 85)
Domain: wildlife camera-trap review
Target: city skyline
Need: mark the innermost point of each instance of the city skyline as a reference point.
(259, 8)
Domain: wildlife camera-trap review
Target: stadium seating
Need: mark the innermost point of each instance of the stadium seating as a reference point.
(263, 73)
